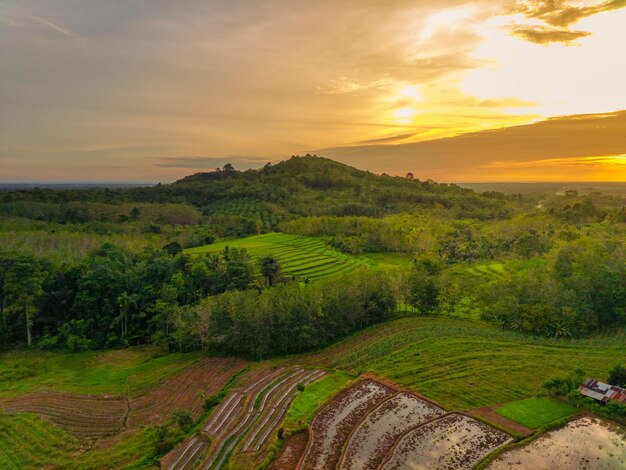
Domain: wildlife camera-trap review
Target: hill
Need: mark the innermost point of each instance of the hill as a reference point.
(312, 185)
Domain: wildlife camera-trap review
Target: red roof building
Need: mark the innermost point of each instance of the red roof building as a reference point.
(602, 392)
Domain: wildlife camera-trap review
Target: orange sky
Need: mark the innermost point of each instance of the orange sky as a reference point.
(152, 90)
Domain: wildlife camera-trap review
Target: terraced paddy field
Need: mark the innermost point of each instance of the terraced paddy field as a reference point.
(244, 423)
(303, 257)
(464, 364)
(372, 425)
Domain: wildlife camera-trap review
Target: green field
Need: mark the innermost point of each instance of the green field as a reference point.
(535, 412)
(114, 371)
(303, 257)
(27, 441)
(307, 402)
(465, 364)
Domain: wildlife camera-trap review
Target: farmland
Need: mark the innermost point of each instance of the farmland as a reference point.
(464, 364)
(586, 442)
(373, 425)
(454, 441)
(245, 420)
(535, 412)
(299, 256)
(41, 425)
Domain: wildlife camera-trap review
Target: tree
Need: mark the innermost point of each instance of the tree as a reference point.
(617, 376)
(423, 289)
(270, 269)
(135, 212)
(173, 248)
(22, 286)
(409, 176)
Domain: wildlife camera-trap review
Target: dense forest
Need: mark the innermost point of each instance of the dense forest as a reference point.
(97, 268)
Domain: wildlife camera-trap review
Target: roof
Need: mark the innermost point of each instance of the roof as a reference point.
(601, 391)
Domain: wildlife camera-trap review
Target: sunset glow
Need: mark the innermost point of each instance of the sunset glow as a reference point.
(152, 91)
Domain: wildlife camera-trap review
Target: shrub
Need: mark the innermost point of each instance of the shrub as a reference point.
(183, 419)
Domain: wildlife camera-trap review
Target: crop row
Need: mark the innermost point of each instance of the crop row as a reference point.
(185, 391)
(299, 256)
(246, 418)
(84, 416)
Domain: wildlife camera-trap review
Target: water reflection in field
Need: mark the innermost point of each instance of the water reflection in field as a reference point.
(586, 443)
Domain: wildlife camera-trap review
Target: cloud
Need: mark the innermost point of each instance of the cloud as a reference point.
(544, 35)
(210, 163)
(560, 13)
(344, 85)
(557, 140)
(52, 26)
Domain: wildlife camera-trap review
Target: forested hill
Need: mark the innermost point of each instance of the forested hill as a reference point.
(312, 185)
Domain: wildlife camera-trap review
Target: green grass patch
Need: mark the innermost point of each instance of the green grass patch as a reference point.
(115, 371)
(27, 441)
(306, 403)
(535, 412)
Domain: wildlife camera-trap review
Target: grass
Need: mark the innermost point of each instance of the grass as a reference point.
(535, 412)
(303, 257)
(465, 364)
(306, 403)
(115, 371)
(27, 441)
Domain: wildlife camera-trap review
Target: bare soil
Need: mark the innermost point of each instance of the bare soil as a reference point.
(291, 452)
(489, 413)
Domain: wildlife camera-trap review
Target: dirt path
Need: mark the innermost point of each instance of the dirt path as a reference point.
(489, 413)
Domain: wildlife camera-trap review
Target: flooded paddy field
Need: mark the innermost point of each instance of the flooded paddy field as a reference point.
(585, 443)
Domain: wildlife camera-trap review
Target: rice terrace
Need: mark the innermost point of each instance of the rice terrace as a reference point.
(312, 235)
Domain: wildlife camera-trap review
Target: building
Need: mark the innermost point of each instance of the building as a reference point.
(602, 392)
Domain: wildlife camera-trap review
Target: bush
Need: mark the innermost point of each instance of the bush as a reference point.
(183, 419)
(617, 376)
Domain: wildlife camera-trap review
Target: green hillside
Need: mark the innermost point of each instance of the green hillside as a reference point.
(303, 257)
(465, 364)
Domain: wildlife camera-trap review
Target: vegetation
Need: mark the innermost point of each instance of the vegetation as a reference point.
(110, 372)
(470, 299)
(298, 257)
(536, 412)
(464, 364)
(309, 400)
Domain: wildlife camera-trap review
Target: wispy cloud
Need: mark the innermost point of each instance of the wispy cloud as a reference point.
(210, 163)
(557, 15)
(545, 35)
(51, 25)
(345, 85)
(561, 13)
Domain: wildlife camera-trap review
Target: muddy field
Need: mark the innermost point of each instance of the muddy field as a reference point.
(375, 436)
(585, 443)
(333, 424)
(454, 441)
(291, 452)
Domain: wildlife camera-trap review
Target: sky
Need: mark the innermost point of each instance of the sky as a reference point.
(455, 91)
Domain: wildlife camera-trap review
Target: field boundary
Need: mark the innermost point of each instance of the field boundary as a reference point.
(556, 424)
